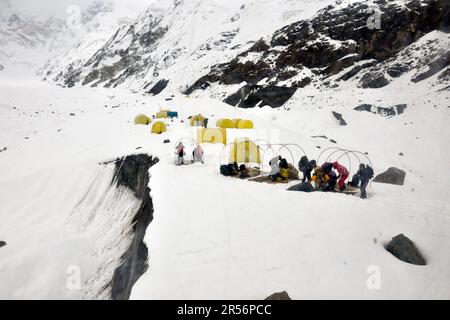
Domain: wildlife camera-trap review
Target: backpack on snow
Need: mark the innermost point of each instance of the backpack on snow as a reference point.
(225, 170)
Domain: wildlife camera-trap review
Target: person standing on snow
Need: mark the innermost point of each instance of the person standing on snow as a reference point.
(343, 174)
(306, 167)
(180, 153)
(365, 173)
(197, 154)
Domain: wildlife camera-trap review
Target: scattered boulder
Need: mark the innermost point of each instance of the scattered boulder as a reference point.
(4, 149)
(279, 296)
(72, 114)
(397, 70)
(2, 244)
(339, 117)
(405, 250)
(167, 141)
(391, 176)
(373, 81)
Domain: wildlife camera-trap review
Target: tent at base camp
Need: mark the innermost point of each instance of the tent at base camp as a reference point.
(197, 121)
(159, 127)
(225, 124)
(212, 135)
(142, 119)
(162, 115)
(244, 124)
(244, 151)
(235, 124)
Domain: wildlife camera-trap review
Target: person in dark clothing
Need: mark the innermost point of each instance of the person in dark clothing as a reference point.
(306, 169)
(365, 173)
(327, 167)
(333, 181)
(284, 164)
(205, 123)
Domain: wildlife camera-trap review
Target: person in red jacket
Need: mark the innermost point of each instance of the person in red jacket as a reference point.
(343, 174)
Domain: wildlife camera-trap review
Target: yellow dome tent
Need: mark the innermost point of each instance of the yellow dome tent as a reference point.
(225, 124)
(142, 119)
(235, 123)
(159, 127)
(245, 151)
(162, 115)
(212, 135)
(245, 124)
(195, 119)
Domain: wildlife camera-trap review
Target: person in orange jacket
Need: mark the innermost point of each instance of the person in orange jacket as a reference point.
(320, 179)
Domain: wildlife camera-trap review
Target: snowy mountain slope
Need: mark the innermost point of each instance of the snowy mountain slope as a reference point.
(28, 41)
(181, 41)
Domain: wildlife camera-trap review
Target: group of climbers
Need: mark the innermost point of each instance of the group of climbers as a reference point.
(328, 175)
(180, 153)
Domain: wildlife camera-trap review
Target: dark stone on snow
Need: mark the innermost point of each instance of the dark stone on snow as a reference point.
(397, 70)
(339, 117)
(2, 244)
(389, 111)
(391, 176)
(167, 141)
(364, 107)
(373, 80)
(279, 296)
(159, 87)
(132, 172)
(302, 187)
(405, 250)
(4, 149)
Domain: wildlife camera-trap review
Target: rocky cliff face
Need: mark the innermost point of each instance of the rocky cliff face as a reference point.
(340, 43)
(221, 50)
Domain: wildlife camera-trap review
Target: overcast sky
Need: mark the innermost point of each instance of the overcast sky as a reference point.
(59, 7)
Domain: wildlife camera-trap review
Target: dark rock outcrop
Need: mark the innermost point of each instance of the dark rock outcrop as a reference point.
(339, 117)
(405, 250)
(279, 296)
(335, 40)
(391, 176)
(159, 87)
(374, 80)
(2, 244)
(384, 111)
(251, 96)
(132, 172)
(434, 67)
